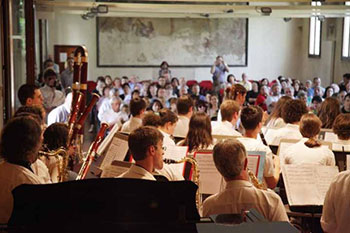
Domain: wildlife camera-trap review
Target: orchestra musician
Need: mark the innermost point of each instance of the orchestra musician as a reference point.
(230, 158)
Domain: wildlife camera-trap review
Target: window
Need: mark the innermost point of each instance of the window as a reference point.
(346, 32)
(315, 33)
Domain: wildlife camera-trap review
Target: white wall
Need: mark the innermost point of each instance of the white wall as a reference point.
(274, 48)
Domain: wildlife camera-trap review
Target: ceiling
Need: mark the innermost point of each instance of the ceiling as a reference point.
(199, 8)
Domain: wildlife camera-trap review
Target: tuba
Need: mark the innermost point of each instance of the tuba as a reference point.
(195, 175)
(62, 162)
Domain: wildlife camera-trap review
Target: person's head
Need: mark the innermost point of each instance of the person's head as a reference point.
(21, 140)
(310, 127)
(289, 91)
(264, 90)
(237, 92)
(329, 92)
(164, 65)
(318, 91)
(48, 63)
(293, 110)
(56, 136)
(230, 158)
(168, 120)
(146, 143)
(173, 103)
(125, 79)
(106, 91)
(161, 92)
(183, 91)
(201, 106)
(126, 89)
(137, 107)
(219, 60)
(214, 101)
(276, 89)
(117, 83)
(229, 111)
(199, 132)
(29, 95)
(108, 80)
(175, 82)
(296, 85)
(156, 105)
(308, 84)
(277, 111)
(341, 126)
(302, 96)
(70, 63)
(231, 79)
(335, 87)
(161, 81)
(184, 105)
(50, 77)
(113, 92)
(152, 90)
(115, 103)
(255, 86)
(244, 77)
(341, 97)
(135, 94)
(151, 119)
(264, 81)
(251, 118)
(329, 110)
(35, 111)
(195, 89)
(316, 82)
(347, 102)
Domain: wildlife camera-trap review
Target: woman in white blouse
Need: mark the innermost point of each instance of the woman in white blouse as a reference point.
(308, 150)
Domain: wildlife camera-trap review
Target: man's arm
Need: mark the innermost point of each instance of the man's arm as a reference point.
(212, 70)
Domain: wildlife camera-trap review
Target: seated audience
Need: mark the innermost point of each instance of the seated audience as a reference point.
(20, 144)
(137, 109)
(229, 115)
(275, 95)
(346, 104)
(291, 114)
(199, 134)
(230, 159)
(146, 146)
(253, 93)
(329, 110)
(155, 106)
(29, 95)
(308, 150)
(112, 115)
(184, 108)
(261, 98)
(168, 121)
(316, 104)
(251, 118)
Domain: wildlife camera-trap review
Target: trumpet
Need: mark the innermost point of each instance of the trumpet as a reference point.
(195, 175)
(61, 155)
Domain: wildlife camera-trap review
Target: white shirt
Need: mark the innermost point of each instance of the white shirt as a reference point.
(111, 117)
(335, 215)
(170, 172)
(52, 97)
(11, 176)
(58, 114)
(167, 141)
(271, 98)
(276, 123)
(182, 126)
(241, 195)
(105, 106)
(299, 153)
(40, 169)
(252, 144)
(132, 124)
(137, 172)
(225, 128)
(290, 131)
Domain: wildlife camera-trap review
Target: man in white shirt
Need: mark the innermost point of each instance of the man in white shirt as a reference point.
(245, 82)
(229, 115)
(52, 97)
(291, 113)
(251, 118)
(230, 159)
(274, 97)
(146, 146)
(168, 121)
(60, 113)
(185, 110)
(112, 115)
(137, 110)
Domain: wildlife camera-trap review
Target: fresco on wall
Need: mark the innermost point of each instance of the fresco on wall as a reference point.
(181, 42)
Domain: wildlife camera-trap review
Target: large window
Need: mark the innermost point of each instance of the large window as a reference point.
(346, 36)
(315, 33)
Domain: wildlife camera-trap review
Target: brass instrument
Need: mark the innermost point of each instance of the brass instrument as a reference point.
(195, 176)
(255, 181)
(62, 162)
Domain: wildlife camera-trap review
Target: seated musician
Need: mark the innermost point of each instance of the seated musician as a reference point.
(168, 121)
(137, 109)
(146, 146)
(251, 118)
(20, 143)
(30, 95)
(308, 149)
(291, 114)
(341, 127)
(230, 159)
(229, 115)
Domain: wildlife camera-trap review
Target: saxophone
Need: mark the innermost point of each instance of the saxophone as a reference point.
(62, 162)
(255, 181)
(195, 175)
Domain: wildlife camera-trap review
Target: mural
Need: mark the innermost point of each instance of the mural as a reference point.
(142, 42)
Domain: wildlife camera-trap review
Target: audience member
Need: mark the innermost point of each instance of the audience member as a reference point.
(52, 97)
(346, 104)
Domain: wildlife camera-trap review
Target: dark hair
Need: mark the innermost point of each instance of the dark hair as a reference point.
(325, 92)
(34, 111)
(229, 76)
(49, 73)
(153, 102)
(56, 136)
(141, 139)
(149, 87)
(233, 91)
(184, 103)
(293, 110)
(329, 110)
(20, 139)
(316, 98)
(26, 91)
(347, 95)
(277, 111)
(346, 75)
(177, 80)
(151, 119)
(164, 63)
(199, 133)
(136, 106)
(167, 116)
(135, 91)
(310, 126)
(228, 108)
(341, 126)
(159, 89)
(104, 89)
(251, 116)
(47, 61)
(101, 78)
(125, 84)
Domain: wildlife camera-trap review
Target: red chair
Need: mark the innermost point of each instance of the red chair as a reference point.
(190, 83)
(206, 85)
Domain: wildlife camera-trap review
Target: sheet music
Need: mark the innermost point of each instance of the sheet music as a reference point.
(307, 184)
(330, 137)
(339, 147)
(116, 151)
(112, 171)
(176, 153)
(256, 163)
(210, 179)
